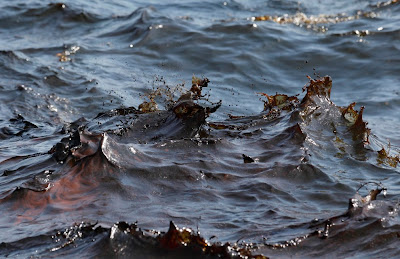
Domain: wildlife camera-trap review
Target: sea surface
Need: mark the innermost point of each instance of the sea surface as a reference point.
(108, 151)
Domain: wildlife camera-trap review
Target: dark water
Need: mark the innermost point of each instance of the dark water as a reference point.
(254, 178)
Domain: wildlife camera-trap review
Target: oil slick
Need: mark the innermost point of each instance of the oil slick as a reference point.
(70, 175)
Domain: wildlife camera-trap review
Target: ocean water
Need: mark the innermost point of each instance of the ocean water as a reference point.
(266, 162)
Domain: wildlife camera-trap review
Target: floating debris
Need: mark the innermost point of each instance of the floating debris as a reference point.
(247, 159)
(150, 106)
(356, 123)
(317, 87)
(280, 101)
(65, 55)
(350, 114)
(165, 95)
(234, 117)
(387, 3)
(385, 158)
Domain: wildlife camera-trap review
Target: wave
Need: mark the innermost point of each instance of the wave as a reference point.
(275, 161)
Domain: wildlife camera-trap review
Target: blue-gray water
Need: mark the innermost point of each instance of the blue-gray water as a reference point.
(60, 62)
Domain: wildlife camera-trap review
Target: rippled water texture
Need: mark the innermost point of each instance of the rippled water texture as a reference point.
(106, 137)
